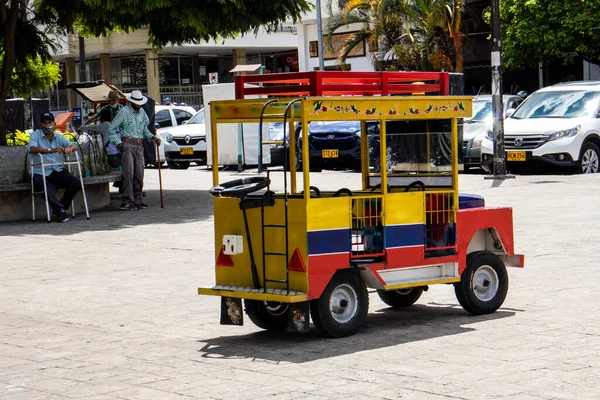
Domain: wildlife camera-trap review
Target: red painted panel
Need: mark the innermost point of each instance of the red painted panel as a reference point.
(320, 270)
(475, 219)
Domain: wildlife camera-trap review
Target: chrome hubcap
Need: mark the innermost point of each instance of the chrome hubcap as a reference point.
(485, 283)
(589, 162)
(343, 303)
(276, 309)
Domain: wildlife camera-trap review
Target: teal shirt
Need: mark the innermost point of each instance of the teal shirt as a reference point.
(129, 123)
(37, 138)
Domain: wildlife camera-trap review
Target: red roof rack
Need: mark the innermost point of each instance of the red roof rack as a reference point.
(337, 83)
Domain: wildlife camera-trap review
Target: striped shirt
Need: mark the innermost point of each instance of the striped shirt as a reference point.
(130, 124)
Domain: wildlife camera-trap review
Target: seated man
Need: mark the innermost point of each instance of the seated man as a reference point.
(53, 147)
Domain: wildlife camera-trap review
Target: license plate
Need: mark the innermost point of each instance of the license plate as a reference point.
(186, 151)
(329, 153)
(516, 156)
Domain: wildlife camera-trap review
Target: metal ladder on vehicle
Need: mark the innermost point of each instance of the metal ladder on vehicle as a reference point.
(285, 225)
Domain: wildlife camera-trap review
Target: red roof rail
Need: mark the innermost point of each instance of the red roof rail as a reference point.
(338, 83)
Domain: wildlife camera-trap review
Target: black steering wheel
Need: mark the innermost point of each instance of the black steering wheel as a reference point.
(342, 191)
(414, 184)
(314, 189)
(240, 187)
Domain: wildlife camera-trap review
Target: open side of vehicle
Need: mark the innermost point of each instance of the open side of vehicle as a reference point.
(305, 251)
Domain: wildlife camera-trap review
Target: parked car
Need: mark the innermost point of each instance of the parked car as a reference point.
(557, 125)
(186, 143)
(167, 117)
(475, 128)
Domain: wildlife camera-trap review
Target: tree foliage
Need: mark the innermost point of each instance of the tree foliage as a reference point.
(402, 34)
(33, 75)
(171, 21)
(546, 31)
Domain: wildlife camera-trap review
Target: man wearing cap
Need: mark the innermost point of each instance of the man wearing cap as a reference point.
(114, 106)
(168, 101)
(53, 147)
(127, 131)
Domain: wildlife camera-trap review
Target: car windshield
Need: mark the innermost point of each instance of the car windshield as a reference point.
(559, 104)
(198, 118)
(482, 110)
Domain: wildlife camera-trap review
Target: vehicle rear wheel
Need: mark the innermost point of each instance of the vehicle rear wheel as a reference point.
(401, 297)
(589, 160)
(483, 285)
(267, 315)
(178, 164)
(342, 307)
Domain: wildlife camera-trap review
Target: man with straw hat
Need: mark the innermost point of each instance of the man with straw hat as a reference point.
(114, 106)
(127, 131)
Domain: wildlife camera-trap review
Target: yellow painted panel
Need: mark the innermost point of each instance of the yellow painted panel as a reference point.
(405, 208)
(236, 110)
(390, 108)
(229, 221)
(254, 296)
(422, 283)
(328, 213)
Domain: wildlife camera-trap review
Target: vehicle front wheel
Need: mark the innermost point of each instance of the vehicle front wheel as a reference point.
(178, 164)
(267, 315)
(483, 285)
(401, 297)
(342, 307)
(589, 160)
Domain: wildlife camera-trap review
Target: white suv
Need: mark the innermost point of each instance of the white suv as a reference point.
(559, 125)
(186, 143)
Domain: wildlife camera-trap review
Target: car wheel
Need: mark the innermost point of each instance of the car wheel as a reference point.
(483, 285)
(342, 307)
(267, 315)
(589, 160)
(401, 297)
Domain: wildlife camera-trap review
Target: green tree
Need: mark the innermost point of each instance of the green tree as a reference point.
(403, 34)
(33, 75)
(168, 22)
(546, 31)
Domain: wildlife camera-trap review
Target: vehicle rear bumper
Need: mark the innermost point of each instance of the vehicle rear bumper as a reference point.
(240, 292)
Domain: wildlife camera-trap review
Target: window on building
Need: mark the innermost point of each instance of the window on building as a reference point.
(163, 119)
(181, 116)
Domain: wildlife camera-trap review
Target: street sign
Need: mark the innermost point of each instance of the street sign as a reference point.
(213, 77)
(77, 115)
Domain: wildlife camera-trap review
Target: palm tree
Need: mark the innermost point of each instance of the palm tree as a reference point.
(402, 34)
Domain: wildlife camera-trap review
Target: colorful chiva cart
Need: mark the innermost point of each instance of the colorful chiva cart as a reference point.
(286, 256)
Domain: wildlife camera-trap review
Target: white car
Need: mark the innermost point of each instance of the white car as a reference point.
(186, 143)
(167, 117)
(558, 125)
(475, 128)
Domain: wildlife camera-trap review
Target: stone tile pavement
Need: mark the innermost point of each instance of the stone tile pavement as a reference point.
(107, 309)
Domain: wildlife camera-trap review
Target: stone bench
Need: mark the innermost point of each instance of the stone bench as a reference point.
(15, 198)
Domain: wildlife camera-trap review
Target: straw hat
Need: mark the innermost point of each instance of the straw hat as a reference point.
(136, 97)
(112, 95)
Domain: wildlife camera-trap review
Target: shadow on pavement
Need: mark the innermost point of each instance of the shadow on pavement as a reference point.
(383, 328)
(181, 206)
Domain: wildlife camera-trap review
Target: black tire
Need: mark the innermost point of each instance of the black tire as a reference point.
(483, 285)
(342, 307)
(402, 297)
(589, 159)
(269, 316)
(178, 164)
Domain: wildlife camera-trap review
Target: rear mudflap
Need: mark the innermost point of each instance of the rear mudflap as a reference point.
(232, 312)
(299, 317)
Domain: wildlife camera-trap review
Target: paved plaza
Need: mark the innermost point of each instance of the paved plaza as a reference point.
(107, 309)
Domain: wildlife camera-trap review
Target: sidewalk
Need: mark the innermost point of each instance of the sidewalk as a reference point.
(107, 309)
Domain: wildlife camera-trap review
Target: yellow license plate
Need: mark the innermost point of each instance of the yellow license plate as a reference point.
(516, 156)
(329, 153)
(186, 151)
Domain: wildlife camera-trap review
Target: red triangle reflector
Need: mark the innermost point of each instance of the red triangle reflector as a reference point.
(224, 260)
(296, 263)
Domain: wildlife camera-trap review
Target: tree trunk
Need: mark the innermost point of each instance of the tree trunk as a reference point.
(10, 16)
(458, 50)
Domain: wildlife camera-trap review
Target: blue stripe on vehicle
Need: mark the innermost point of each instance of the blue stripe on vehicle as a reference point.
(329, 241)
(404, 235)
